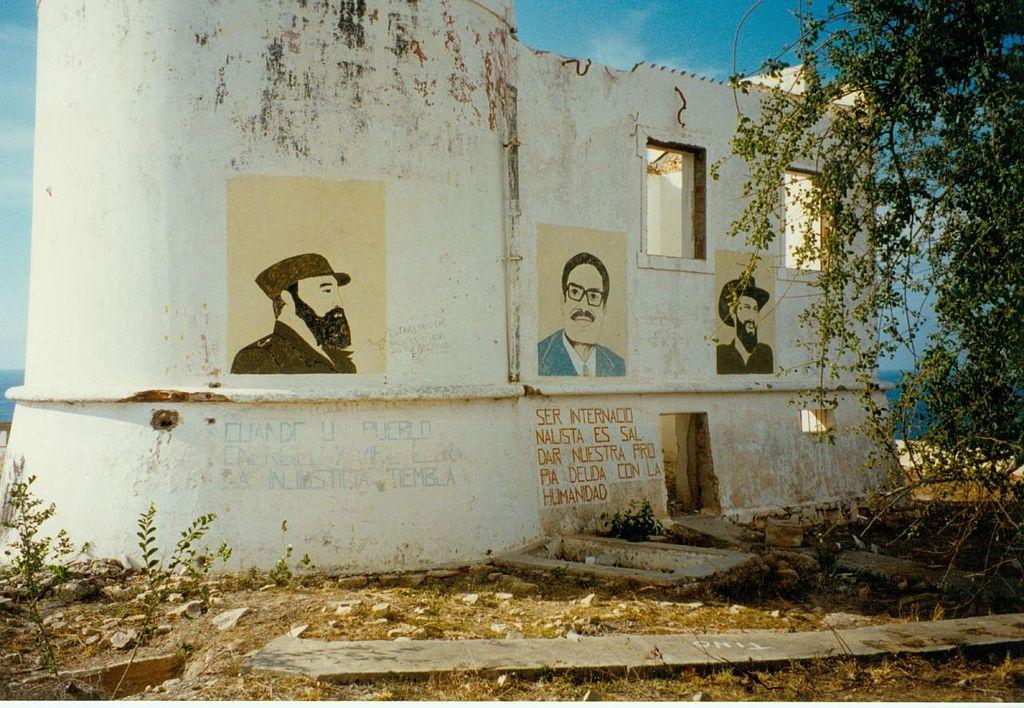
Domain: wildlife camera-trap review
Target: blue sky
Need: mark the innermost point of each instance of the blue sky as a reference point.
(695, 35)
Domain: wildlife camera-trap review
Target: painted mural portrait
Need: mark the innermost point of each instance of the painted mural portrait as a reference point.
(574, 350)
(307, 276)
(311, 333)
(744, 354)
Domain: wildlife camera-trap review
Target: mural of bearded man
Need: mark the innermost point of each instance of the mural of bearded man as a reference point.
(744, 354)
(311, 333)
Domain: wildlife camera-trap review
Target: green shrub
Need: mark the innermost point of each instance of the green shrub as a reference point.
(633, 524)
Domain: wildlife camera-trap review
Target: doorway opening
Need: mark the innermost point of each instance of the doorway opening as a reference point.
(689, 469)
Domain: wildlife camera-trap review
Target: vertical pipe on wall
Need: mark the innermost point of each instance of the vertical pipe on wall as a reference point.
(513, 254)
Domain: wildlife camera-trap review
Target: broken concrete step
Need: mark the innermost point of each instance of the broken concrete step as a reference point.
(715, 531)
(643, 561)
(356, 661)
(133, 676)
(891, 568)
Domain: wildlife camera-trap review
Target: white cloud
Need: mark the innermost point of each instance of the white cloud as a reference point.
(623, 45)
(615, 50)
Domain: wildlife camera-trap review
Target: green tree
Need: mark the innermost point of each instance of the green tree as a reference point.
(912, 112)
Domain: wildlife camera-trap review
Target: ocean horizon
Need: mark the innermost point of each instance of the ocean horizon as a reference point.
(9, 378)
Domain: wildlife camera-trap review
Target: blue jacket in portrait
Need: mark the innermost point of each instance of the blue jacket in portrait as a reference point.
(553, 360)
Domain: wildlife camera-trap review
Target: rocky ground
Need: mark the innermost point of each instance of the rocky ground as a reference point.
(193, 645)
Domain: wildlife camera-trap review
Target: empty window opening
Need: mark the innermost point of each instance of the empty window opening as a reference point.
(803, 222)
(817, 420)
(676, 209)
(689, 471)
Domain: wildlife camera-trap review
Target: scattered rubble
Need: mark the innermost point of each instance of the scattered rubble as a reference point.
(193, 609)
(783, 534)
(228, 619)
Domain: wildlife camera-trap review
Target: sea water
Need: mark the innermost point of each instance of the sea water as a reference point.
(8, 379)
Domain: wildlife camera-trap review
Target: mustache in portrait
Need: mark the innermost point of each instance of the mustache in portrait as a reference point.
(582, 314)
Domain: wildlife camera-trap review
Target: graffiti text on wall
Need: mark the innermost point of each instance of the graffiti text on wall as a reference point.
(372, 456)
(582, 451)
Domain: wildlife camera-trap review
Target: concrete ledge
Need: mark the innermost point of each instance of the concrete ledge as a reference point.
(386, 392)
(357, 661)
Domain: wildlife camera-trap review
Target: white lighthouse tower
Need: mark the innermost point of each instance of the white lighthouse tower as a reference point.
(217, 182)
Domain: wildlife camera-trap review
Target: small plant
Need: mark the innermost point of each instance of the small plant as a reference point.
(189, 565)
(281, 574)
(34, 557)
(633, 524)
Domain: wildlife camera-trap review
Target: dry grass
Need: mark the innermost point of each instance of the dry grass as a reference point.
(437, 608)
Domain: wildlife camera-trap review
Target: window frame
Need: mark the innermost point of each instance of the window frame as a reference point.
(652, 140)
(823, 421)
(803, 273)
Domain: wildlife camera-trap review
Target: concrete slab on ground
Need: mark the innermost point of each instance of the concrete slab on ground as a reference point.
(359, 661)
(615, 559)
(891, 568)
(713, 530)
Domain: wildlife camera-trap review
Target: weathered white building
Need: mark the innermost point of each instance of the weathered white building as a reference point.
(188, 152)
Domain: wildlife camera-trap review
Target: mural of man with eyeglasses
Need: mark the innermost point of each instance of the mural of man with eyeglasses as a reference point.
(573, 350)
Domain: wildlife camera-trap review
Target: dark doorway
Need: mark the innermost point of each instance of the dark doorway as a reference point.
(689, 470)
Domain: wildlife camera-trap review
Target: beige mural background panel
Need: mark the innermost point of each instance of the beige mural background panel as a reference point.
(272, 218)
(555, 246)
(728, 266)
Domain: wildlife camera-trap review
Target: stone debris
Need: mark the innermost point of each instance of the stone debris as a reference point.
(133, 676)
(192, 609)
(353, 582)
(503, 596)
(175, 597)
(164, 629)
(470, 598)
(383, 610)
(76, 590)
(411, 581)
(802, 562)
(122, 639)
(908, 573)
(268, 586)
(228, 619)
(785, 578)
(344, 610)
(115, 593)
(783, 534)
(442, 574)
(845, 620)
(588, 600)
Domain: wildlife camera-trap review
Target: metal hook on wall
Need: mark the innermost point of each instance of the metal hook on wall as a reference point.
(679, 113)
(579, 66)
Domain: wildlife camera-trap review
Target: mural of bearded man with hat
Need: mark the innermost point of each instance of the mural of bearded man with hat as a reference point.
(744, 354)
(311, 333)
